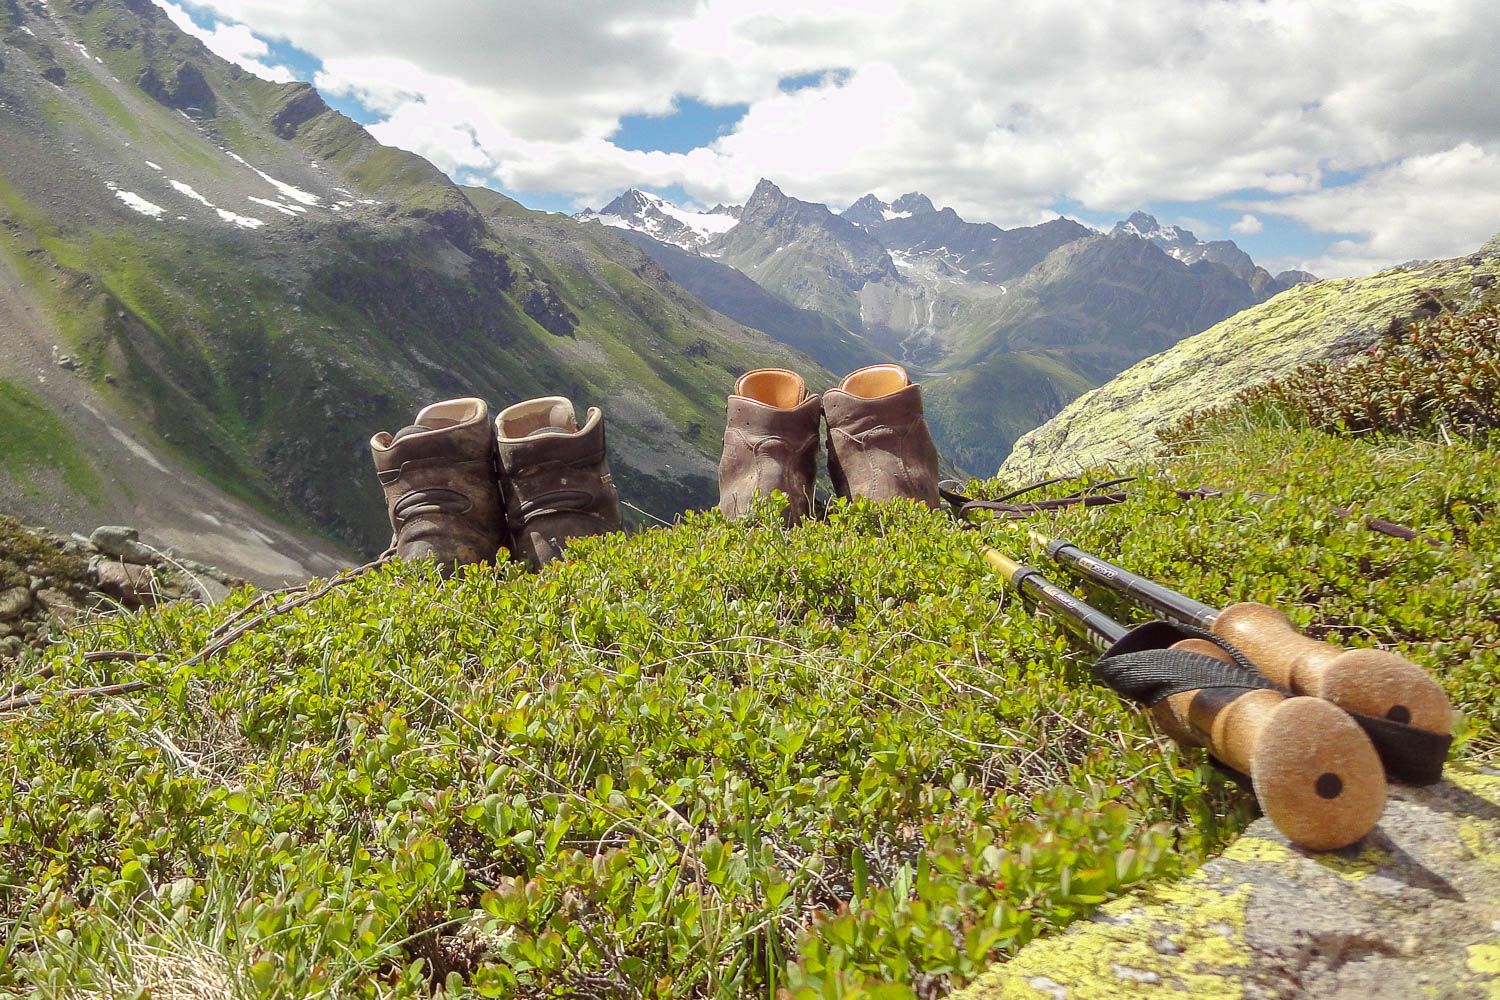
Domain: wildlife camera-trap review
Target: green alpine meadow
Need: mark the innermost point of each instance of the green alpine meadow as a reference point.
(488, 500)
(712, 759)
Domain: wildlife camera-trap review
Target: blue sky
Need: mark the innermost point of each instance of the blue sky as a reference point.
(1237, 120)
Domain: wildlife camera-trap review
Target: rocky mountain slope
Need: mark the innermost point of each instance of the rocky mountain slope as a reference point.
(871, 211)
(1004, 326)
(727, 290)
(246, 283)
(805, 254)
(1327, 320)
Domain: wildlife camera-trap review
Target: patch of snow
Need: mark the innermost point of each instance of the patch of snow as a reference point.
(658, 218)
(368, 201)
(182, 218)
(291, 210)
(99, 61)
(186, 189)
(243, 221)
(344, 191)
(778, 250)
(287, 190)
(153, 166)
(28, 31)
(184, 114)
(702, 223)
(889, 215)
(135, 201)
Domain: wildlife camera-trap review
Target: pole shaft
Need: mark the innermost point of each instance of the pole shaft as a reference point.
(1098, 628)
(1148, 592)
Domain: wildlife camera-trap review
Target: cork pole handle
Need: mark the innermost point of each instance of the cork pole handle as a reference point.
(1314, 771)
(1367, 681)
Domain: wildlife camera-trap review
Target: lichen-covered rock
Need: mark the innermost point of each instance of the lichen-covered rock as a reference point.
(1413, 910)
(122, 543)
(13, 602)
(1328, 320)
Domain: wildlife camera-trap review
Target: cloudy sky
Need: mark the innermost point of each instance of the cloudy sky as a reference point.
(1332, 136)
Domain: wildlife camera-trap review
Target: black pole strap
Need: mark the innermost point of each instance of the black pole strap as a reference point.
(1142, 668)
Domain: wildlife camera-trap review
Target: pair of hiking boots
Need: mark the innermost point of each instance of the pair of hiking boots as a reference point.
(459, 487)
(878, 443)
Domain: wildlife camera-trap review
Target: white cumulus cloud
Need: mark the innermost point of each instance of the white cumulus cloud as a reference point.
(1428, 206)
(1102, 105)
(234, 42)
(1247, 224)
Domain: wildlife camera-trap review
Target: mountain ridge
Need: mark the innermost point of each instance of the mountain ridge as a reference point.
(254, 285)
(1050, 310)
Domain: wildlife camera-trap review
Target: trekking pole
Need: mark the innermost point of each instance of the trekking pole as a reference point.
(1398, 703)
(1314, 771)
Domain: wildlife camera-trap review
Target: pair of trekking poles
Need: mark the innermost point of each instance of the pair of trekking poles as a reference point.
(1315, 727)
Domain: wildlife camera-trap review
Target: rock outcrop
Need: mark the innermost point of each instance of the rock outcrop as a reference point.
(48, 582)
(1413, 910)
(1327, 320)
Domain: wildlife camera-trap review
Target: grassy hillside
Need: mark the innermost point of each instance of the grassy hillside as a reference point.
(301, 286)
(978, 413)
(710, 760)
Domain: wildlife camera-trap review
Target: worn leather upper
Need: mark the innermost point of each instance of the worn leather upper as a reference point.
(770, 443)
(439, 483)
(555, 479)
(880, 447)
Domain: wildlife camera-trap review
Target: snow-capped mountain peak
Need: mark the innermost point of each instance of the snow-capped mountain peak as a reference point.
(658, 218)
(1147, 228)
(1180, 244)
(871, 211)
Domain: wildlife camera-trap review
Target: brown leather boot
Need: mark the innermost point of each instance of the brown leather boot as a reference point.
(439, 480)
(770, 443)
(554, 477)
(878, 443)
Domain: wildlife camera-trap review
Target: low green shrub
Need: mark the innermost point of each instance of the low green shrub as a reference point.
(708, 761)
(1441, 376)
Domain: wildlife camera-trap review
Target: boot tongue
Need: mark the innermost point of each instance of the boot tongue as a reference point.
(409, 429)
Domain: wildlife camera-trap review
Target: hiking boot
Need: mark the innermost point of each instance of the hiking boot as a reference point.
(554, 477)
(878, 444)
(439, 480)
(770, 443)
